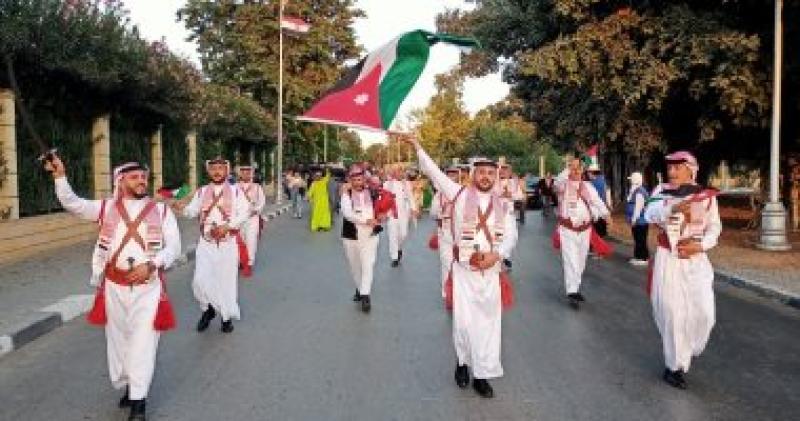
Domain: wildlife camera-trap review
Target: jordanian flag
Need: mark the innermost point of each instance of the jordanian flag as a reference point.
(370, 94)
(177, 194)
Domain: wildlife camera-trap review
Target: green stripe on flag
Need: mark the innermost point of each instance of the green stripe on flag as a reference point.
(412, 55)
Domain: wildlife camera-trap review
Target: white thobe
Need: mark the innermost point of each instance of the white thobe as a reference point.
(250, 229)
(217, 264)
(477, 305)
(682, 291)
(362, 251)
(398, 227)
(575, 245)
(131, 339)
(443, 234)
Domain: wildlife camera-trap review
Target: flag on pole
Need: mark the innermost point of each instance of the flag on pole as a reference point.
(295, 24)
(371, 92)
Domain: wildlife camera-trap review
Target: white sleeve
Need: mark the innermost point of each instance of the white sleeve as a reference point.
(346, 206)
(192, 210)
(561, 180)
(241, 210)
(80, 207)
(429, 168)
(510, 235)
(713, 227)
(599, 208)
(261, 198)
(172, 241)
(435, 206)
(638, 207)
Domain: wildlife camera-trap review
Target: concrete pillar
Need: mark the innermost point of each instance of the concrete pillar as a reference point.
(101, 157)
(157, 158)
(191, 143)
(9, 191)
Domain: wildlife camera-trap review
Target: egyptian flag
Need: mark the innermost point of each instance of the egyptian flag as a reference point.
(370, 94)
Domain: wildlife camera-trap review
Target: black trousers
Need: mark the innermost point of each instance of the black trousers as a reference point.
(601, 227)
(640, 242)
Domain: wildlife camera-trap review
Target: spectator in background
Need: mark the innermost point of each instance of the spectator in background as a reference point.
(634, 214)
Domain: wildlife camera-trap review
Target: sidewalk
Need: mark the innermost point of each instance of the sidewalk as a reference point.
(737, 261)
(37, 296)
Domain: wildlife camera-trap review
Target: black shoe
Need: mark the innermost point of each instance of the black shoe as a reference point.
(399, 254)
(125, 400)
(366, 306)
(462, 375)
(574, 301)
(580, 297)
(357, 297)
(206, 319)
(507, 263)
(137, 411)
(227, 326)
(395, 263)
(483, 388)
(675, 378)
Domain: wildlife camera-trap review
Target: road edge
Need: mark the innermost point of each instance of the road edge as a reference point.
(54, 316)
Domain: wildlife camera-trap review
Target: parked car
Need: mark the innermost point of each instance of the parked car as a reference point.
(533, 195)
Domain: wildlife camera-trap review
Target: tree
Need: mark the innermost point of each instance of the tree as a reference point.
(238, 46)
(640, 76)
(444, 123)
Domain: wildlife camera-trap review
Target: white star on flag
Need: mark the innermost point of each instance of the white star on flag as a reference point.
(361, 99)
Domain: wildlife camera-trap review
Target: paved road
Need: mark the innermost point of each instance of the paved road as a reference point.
(303, 351)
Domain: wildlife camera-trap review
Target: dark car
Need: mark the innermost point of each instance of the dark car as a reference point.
(532, 193)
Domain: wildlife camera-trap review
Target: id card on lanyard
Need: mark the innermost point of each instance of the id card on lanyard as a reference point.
(572, 200)
(673, 229)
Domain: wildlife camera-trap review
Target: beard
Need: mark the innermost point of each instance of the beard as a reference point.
(484, 187)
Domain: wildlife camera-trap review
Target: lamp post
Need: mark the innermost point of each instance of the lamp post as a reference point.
(773, 216)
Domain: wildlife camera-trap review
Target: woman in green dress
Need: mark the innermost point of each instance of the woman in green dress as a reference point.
(319, 203)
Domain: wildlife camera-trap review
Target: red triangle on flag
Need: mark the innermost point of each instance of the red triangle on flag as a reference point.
(355, 106)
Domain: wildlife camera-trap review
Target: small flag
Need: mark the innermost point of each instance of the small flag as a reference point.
(176, 194)
(295, 24)
(371, 92)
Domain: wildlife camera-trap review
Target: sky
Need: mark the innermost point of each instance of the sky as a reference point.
(385, 20)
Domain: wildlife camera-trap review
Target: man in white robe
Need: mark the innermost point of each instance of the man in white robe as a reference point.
(442, 213)
(398, 185)
(127, 266)
(221, 210)
(360, 234)
(512, 189)
(485, 232)
(681, 288)
(578, 206)
(251, 229)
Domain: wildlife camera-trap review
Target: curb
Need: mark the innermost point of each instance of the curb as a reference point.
(759, 288)
(54, 316)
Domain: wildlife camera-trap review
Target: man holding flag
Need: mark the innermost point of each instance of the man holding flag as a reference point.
(484, 232)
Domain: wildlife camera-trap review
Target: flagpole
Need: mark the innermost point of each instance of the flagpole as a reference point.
(325, 144)
(279, 199)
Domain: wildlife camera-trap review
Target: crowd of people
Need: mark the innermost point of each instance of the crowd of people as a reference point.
(476, 208)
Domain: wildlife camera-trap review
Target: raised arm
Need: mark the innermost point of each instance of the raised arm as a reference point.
(192, 210)
(80, 207)
(448, 187)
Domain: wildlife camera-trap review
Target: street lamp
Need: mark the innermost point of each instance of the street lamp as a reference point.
(773, 216)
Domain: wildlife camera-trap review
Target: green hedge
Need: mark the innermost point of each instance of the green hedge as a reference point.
(175, 156)
(72, 137)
